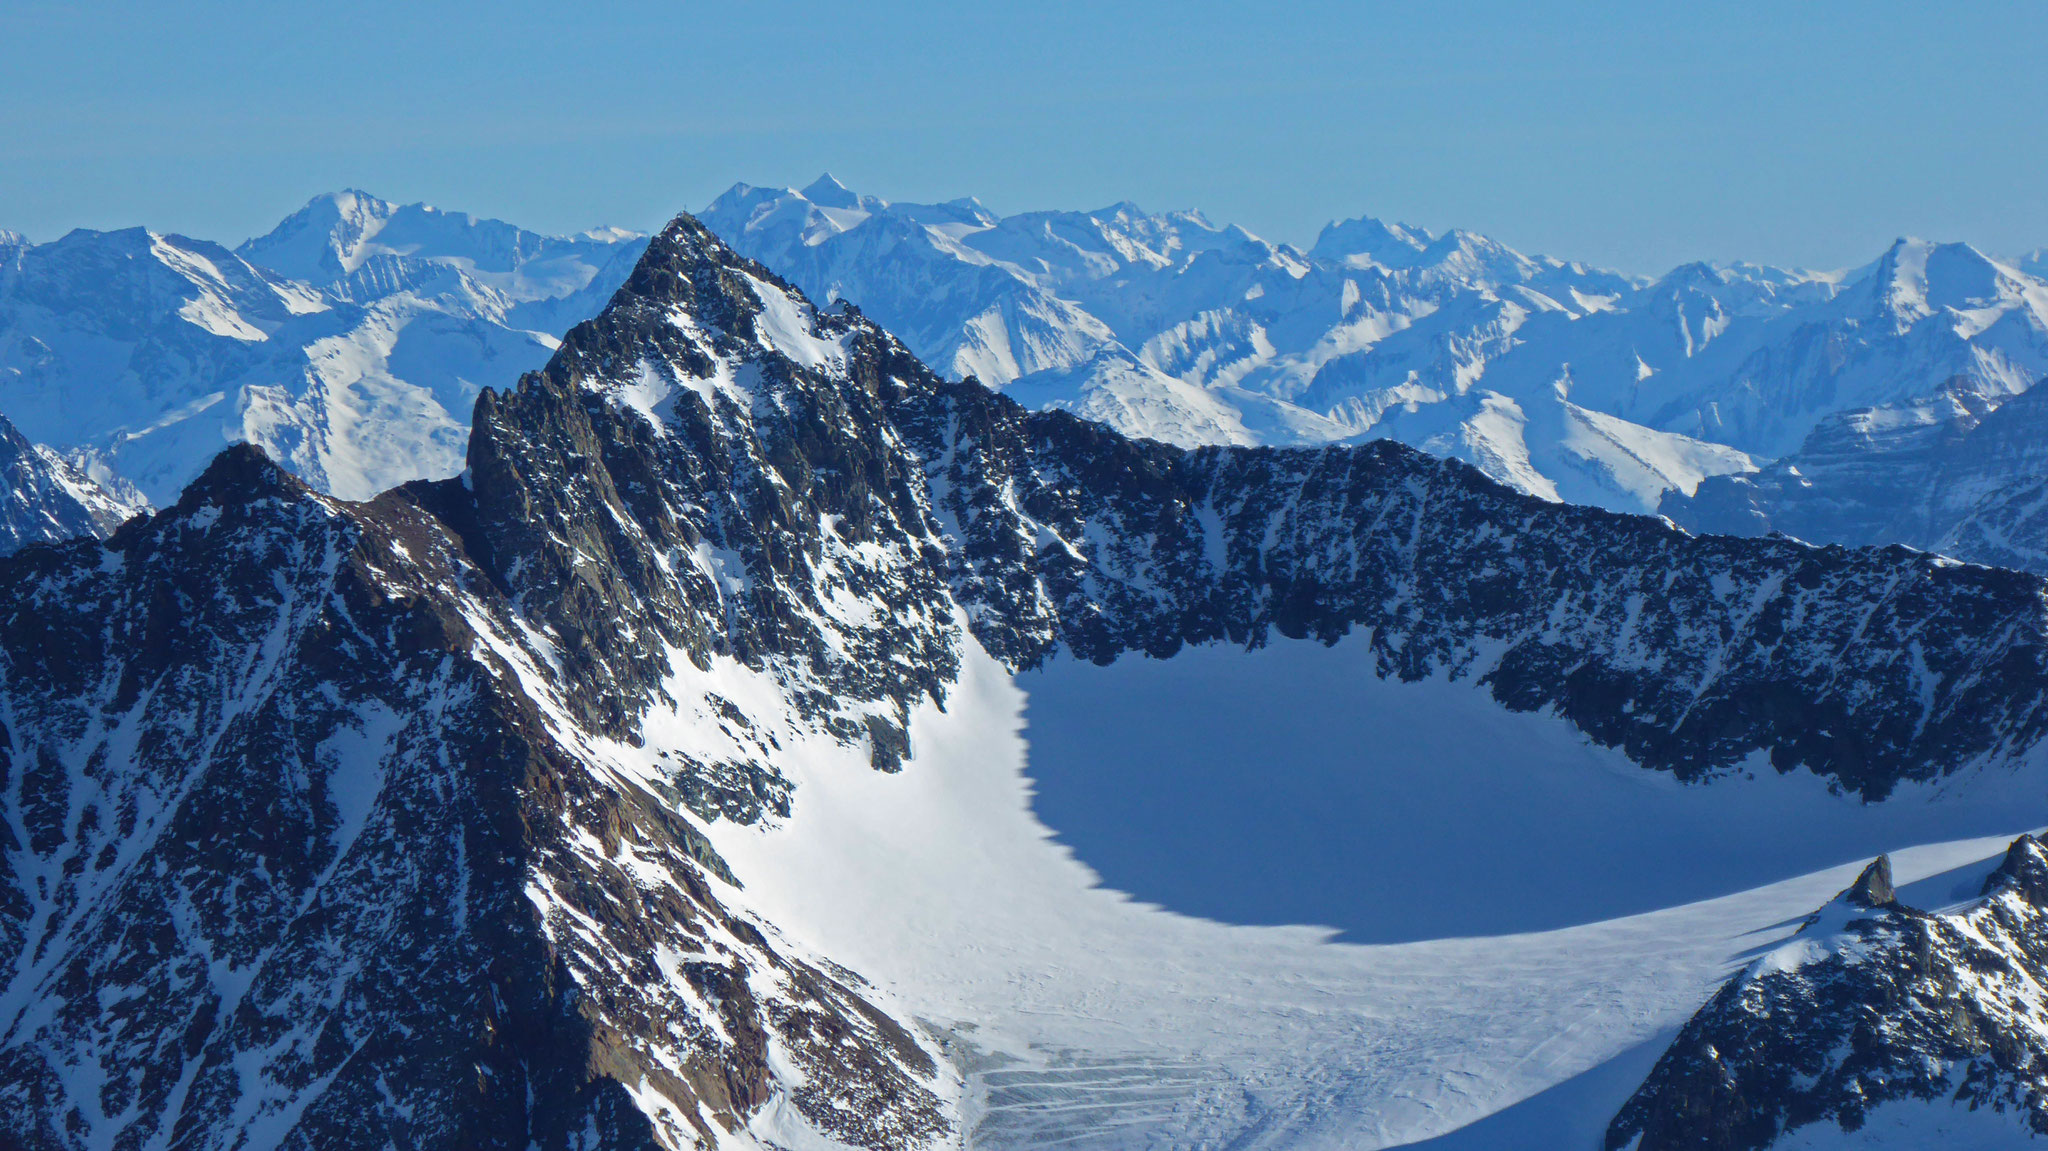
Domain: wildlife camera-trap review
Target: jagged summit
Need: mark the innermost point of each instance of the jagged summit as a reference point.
(2024, 870)
(829, 193)
(1873, 887)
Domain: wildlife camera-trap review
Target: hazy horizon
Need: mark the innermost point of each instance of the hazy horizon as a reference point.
(1631, 139)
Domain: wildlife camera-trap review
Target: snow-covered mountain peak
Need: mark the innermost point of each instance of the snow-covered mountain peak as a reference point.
(1365, 239)
(326, 239)
(1916, 279)
(827, 192)
(336, 238)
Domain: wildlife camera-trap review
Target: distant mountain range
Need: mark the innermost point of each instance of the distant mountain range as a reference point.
(1562, 380)
(351, 340)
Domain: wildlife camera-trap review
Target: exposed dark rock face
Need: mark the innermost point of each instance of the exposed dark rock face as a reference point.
(1873, 1004)
(1689, 653)
(300, 862)
(44, 498)
(331, 825)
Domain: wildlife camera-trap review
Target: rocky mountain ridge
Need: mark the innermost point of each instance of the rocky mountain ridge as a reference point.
(1879, 1020)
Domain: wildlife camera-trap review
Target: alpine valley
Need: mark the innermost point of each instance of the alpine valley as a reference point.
(741, 734)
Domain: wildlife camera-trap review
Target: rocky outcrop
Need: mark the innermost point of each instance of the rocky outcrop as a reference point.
(1872, 1005)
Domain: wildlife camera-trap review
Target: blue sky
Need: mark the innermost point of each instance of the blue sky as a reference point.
(1636, 135)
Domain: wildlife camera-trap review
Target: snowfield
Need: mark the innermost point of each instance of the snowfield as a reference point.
(1084, 1017)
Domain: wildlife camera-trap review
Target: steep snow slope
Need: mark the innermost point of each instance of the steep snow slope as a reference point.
(149, 353)
(1552, 448)
(48, 498)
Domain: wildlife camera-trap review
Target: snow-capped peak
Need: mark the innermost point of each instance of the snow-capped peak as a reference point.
(1365, 239)
(1916, 279)
(325, 240)
(827, 192)
(339, 235)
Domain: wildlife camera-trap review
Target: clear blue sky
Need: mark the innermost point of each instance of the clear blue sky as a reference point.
(1636, 135)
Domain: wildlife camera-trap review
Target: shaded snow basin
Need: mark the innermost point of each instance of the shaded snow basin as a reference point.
(1518, 917)
(1290, 785)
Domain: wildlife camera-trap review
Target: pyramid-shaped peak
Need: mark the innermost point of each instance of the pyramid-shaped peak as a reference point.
(827, 192)
(1874, 887)
(688, 274)
(321, 240)
(241, 473)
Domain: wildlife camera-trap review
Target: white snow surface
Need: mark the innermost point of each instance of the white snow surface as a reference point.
(1085, 1017)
